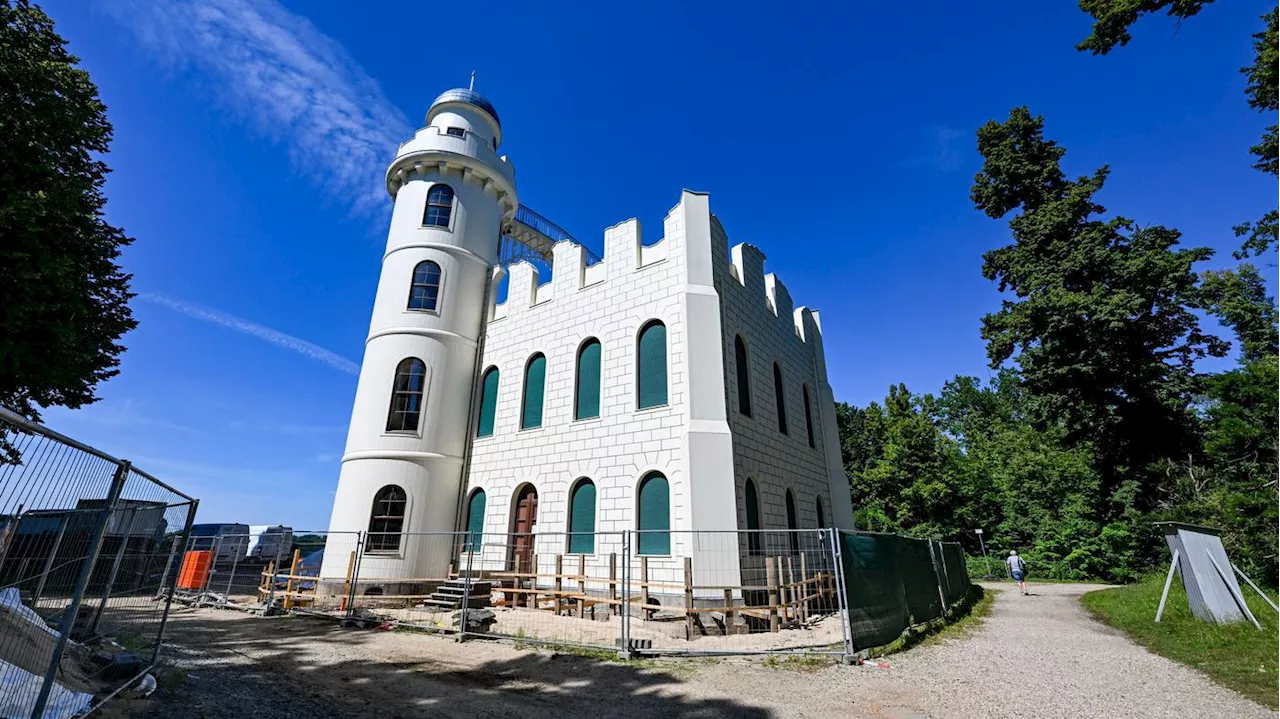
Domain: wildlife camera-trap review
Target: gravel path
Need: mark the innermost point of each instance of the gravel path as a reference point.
(1033, 658)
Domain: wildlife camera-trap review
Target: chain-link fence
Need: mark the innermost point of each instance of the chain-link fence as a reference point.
(88, 546)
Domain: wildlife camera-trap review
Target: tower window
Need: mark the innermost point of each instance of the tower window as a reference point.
(386, 522)
(792, 537)
(535, 378)
(655, 515)
(780, 396)
(822, 518)
(808, 415)
(586, 398)
(488, 403)
(456, 132)
(744, 375)
(651, 366)
(425, 290)
(406, 395)
(753, 519)
(439, 206)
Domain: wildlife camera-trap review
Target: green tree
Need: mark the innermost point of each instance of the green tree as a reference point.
(1102, 326)
(1113, 18)
(63, 298)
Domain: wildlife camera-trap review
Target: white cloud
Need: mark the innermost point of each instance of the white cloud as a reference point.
(289, 342)
(289, 81)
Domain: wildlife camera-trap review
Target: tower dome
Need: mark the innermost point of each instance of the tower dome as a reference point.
(465, 96)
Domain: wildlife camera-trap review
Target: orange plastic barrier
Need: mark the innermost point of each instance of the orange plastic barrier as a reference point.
(195, 569)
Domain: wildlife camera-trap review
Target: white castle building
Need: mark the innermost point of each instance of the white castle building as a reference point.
(669, 386)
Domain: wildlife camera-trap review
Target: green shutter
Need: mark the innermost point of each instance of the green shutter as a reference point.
(655, 515)
(652, 370)
(587, 398)
(535, 376)
(744, 375)
(753, 519)
(582, 519)
(488, 403)
(808, 415)
(475, 519)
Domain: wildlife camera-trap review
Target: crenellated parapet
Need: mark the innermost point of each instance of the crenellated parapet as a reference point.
(625, 253)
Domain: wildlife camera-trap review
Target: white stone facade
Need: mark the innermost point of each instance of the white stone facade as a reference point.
(689, 280)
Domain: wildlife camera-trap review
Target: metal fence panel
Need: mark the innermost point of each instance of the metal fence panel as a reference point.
(87, 543)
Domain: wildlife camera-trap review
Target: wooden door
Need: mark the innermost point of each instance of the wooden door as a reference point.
(522, 524)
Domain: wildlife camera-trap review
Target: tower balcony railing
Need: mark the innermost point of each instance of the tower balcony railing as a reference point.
(532, 238)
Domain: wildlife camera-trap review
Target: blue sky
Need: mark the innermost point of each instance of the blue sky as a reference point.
(251, 137)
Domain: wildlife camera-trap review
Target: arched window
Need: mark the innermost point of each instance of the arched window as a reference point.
(406, 395)
(655, 515)
(582, 518)
(439, 206)
(535, 378)
(475, 520)
(744, 375)
(488, 403)
(586, 397)
(822, 518)
(753, 519)
(808, 417)
(386, 522)
(425, 289)
(651, 366)
(779, 396)
(792, 537)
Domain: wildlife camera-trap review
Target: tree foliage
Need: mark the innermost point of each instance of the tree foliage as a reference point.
(1113, 18)
(1103, 327)
(63, 298)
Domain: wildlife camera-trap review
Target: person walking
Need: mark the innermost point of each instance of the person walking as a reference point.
(1017, 570)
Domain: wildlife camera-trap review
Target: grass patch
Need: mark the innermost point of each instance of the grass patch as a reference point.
(1236, 656)
(799, 662)
(964, 617)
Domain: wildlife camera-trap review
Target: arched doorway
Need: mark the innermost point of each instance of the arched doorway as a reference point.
(524, 517)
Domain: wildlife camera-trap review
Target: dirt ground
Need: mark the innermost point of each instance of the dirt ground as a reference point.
(1033, 657)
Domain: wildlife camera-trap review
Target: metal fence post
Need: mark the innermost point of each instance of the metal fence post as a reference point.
(842, 597)
(942, 594)
(466, 591)
(115, 569)
(624, 609)
(355, 575)
(173, 584)
(234, 564)
(48, 564)
(82, 583)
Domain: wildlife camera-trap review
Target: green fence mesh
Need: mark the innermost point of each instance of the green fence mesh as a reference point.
(893, 582)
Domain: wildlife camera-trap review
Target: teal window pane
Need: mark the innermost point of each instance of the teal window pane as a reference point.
(488, 403)
(780, 397)
(582, 519)
(744, 375)
(586, 402)
(535, 377)
(655, 515)
(475, 520)
(651, 387)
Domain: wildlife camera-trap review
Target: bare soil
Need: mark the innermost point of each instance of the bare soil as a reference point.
(1033, 657)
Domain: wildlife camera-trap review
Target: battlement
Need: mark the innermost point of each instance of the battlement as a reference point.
(625, 254)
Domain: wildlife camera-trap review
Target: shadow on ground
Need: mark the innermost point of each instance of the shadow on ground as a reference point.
(244, 665)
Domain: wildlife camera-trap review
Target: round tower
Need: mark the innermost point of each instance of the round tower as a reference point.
(401, 471)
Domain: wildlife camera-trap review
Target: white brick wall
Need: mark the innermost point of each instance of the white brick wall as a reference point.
(617, 449)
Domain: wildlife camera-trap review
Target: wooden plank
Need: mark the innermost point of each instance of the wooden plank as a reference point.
(729, 615)
(558, 580)
(791, 588)
(644, 583)
(346, 584)
(613, 575)
(582, 583)
(688, 598)
(533, 598)
(804, 580)
(771, 578)
(293, 570)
